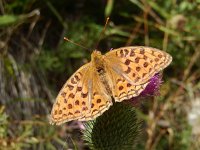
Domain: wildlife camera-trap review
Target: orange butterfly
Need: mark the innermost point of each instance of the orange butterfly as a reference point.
(122, 73)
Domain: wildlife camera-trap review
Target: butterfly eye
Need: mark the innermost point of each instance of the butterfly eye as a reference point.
(100, 70)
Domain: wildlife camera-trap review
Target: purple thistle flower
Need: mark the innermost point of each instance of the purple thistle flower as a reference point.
(151, 89)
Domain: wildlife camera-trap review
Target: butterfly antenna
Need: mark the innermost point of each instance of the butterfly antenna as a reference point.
(102, 32)
(66, 39)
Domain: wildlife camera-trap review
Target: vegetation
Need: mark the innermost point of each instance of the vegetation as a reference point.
(35, 62)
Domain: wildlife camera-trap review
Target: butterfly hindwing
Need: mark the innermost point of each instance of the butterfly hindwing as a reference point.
(122, 89)
(100, 98)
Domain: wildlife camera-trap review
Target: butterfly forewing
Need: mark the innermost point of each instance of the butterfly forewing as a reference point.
(132, 68)
(69, 102)
(139, 63)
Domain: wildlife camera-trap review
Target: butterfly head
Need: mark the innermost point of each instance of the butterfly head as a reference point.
(96, 55)
(97, 58)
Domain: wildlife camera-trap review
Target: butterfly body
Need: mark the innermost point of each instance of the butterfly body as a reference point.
(97, 59)
(99, 62)
(120, 74)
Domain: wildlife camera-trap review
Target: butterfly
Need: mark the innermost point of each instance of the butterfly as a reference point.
(118, 75)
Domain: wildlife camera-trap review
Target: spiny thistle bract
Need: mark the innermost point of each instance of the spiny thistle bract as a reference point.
(116, 129)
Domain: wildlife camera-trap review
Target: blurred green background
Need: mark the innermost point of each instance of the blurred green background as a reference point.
(35, 62)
